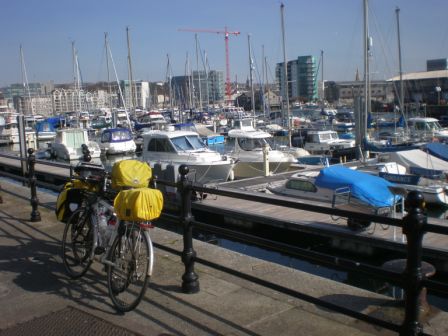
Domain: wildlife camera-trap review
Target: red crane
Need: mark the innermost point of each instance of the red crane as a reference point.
(226, 40)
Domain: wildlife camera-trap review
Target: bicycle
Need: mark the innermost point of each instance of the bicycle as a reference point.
(125, 248)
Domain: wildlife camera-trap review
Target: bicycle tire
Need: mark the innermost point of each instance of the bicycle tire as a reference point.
(127, 274)
(77, 243)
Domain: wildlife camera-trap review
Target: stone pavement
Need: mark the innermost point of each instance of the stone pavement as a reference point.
(37, 298)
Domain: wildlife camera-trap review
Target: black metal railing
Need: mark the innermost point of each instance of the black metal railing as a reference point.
(411, 279)
(414, 226)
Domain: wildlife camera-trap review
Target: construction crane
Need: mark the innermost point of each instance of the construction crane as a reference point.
(226, 40)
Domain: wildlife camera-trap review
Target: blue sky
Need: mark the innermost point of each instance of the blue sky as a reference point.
(46, 29)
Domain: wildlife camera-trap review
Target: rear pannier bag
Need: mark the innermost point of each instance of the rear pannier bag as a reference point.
(130, 174)
(140, 204)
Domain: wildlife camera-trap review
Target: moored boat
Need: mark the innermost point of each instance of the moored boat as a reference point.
(252, 151)
(186, 147)
(340, 186)
(117, 141)
(68, 145)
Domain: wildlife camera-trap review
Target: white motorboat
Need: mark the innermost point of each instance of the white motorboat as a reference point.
(68, 145)
(319, 142)
(252, 151)
(9, 130)
(186, 147)
(117, 141)
(434, 191)
(427, 129)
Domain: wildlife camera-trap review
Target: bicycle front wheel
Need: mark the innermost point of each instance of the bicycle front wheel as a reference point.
(77, 243)
(127, 272)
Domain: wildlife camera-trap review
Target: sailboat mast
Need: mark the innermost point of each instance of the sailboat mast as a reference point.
(322, 76)
(285, 73)
(251, 76)
(268, 91)
(132, 101)
(168, 74)
(263, 79)
(108, 72)
(401, 102)
(366, 72)
(77, 78)
(25, 79)
(197, 70)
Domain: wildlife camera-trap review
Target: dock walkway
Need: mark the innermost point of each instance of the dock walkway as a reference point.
(37, 298)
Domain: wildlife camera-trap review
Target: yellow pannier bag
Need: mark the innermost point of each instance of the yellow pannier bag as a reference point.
(70, 198)
(140, 204)
(130, 174)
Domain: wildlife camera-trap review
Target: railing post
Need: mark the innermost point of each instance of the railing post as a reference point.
(413, 228)
(35, 214)
(190, 283)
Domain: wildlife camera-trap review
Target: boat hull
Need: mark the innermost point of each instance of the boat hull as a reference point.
(253, 169)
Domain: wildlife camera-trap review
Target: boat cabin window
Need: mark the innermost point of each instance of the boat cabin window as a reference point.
(313, 138)
(189, 142)
(75, 139)
(105, 137)
(301, 185)
(251, 144)
(160, 145)
(121, 136)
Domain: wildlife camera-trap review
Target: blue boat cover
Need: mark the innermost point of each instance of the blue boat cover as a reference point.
(369, 189)
(438, 149)
(44, 126)
(56, 121)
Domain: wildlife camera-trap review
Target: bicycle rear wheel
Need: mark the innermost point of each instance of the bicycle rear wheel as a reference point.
(77, 243)
(127, 272)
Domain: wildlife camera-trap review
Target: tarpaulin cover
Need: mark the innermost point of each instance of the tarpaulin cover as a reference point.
(438, 149)
(369, 189)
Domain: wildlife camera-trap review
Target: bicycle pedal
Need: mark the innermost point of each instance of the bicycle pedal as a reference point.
(99, 250)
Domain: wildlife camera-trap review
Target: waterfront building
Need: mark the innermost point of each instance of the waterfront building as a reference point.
(301, 78)
(40, 105)
(211, 86)
(140, 92)
(429, 87)
(216, 86)
(70, 100)
(33, 90)
(437, 64)
(381, 91)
